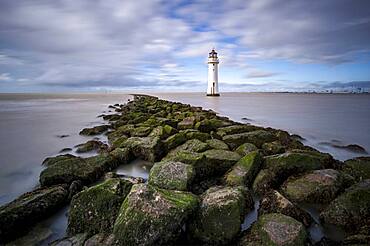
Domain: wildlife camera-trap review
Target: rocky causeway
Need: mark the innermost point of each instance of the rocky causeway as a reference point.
(208, 173)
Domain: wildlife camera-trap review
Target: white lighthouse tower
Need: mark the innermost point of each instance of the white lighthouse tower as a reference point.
(212, 89)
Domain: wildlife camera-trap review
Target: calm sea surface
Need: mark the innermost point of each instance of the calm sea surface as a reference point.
(31, 126)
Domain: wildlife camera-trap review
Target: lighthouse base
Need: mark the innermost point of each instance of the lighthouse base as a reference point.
(213, 95)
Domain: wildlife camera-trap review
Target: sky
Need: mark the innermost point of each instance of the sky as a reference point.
(111, 45)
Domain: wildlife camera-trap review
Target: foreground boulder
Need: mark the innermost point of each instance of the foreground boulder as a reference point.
(350, 210)
(320, 186)
(86, 170)
(274, 202)
(358, 167)
(152, 216)
(171, 175)
(90, 146)
(95, 209)
(19, 215)
(147, 148)
(275, 229)
(94, 130)
(220, 215)
(245, 170)
(257, 138)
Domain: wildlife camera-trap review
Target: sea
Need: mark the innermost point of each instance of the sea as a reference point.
(36, 126)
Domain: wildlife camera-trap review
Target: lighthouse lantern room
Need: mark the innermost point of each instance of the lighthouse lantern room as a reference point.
(213, 61)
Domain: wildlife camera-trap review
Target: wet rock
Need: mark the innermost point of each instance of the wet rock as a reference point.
(194, 134)
(63, 136)
(52, 160)
(147, 148)
(273, 148)
(38, 234)
(101, 239)
(217, 162)
(123, 155)
(65, 150)
(229, 130)
(350, 210)
(163, 132)
(86, 170)
(220, 215)
(76, 240)
(359, 168)
(350, 147)
(95, 209)
(208, 125)
(262, 182)
(275, 229)
(18, 216)
(357, 240)
(171, 175)
(217, 144)
(245, 149)
(245, 170)
(187, 123)
(188, 157)
(193, 145)
(94, 130)
(175, 140)
(257, 138)
(320, 186)
(141, 131)
(152, 216)
(90, 146)
(275, 202)
(75, 187)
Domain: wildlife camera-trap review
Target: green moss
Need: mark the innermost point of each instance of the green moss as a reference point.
(245, 149)
(209, 125)
(273, 148)
(228, 130)
(257, 138)
(202, 136)
(217, 144)
(217, 162)
(141, 131)
(175, 140)
(358, 167)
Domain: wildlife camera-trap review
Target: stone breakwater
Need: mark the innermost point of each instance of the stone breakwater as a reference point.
(206, 171)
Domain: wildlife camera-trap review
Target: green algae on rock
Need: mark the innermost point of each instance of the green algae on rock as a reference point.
(150, 215)
(171, 175)
(217, 144)
(147, 148)
(90, 146)
(217, 162)
(276, 230)
(95, 209)
(257, 138)
(94, 130)
(245, 170)
(358, 167)
(219, 218)
(18, 216)
(245, 149)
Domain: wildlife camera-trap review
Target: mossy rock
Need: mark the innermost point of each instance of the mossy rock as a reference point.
(261, 183)
(319, 186)
(358, 167)
(257, 138)
(186, 123)
(229, 130)
(193, 145)
(95, 209)
(245, 149)
(49, 161)
(90, 146)
(202, 136)
(147, 148)
(350, 210)
(221, 213)
(208, 125)
(273, 148)
(172, 175)
(275, 202)
(217, 144)
(153, 216)
(76, 240)
(175, 140)
(123, 155)
(141, 131)
(217, 162)
(245, 170)
(86, 170)
(18, 216)
(94, 130)
(276, 229)
(163, 132)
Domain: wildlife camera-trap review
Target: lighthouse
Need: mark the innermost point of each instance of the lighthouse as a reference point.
(212, 89)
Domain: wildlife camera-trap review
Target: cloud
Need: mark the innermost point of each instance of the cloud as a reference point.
(260, 74)
(5, 77)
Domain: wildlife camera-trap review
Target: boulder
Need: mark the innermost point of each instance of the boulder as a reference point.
(245, 170)
(52, 160)
(187, 157)
(262, 182)
(153, 216)
(147, 148)
(141, 131)
(95, 209)
(229, 130)
(273, 148)
(163, 132)
(217, 162)
(275, 202)
(275, 229)
(350, 210)
(175, 140)
(123, 155)
(319, 186)
(86, 170)
(208, 125)
(359, 168)
(101, 239)
(18, 216)
(217, 144)
(257, 138)
(186, 123)
(171, 175)
(194, 134)
(76, 240)
(221, 213)
(94, 130)
(90, 146)
(245, 149)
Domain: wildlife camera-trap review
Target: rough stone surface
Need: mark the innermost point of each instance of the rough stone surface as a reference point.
(94, 130)
(90, 146)
(358, 167)
(217, 162)
(217, 144)
(152, 216)
(172, 175)
(245, 170)
(95, 209)
(245, 149)
(257, 138)
(229, 130)
(276, 229)
(220, 215)
(19, 215)
(147, 148)
(186, 123)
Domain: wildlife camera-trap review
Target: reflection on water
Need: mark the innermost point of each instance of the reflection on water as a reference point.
(136, 168)
(252, 215)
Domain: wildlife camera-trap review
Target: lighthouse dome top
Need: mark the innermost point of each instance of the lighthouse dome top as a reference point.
(213, 54)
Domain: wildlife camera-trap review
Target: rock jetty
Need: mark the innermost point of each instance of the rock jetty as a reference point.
(207, 174)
